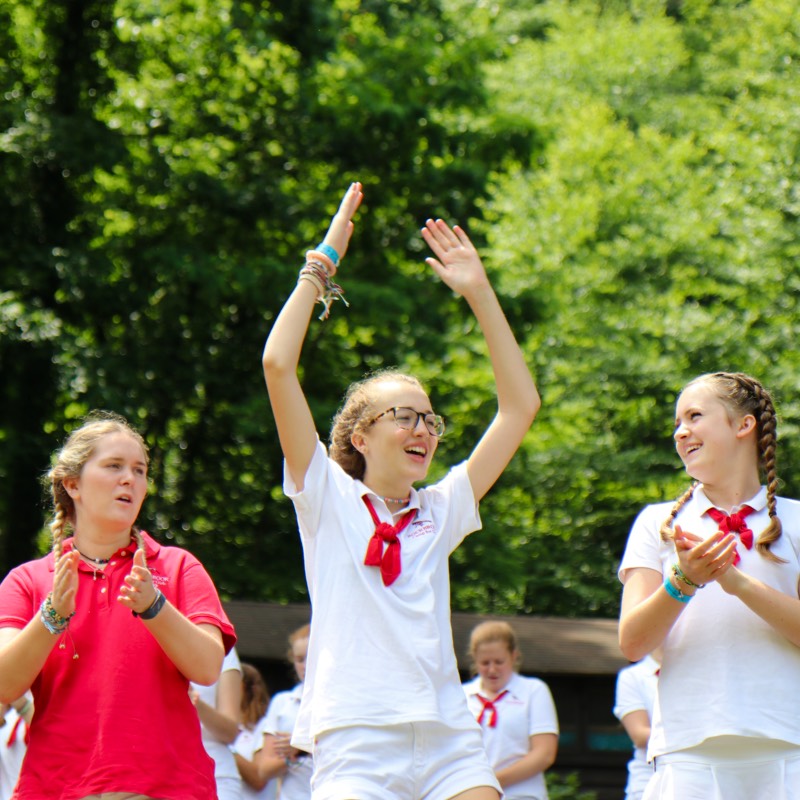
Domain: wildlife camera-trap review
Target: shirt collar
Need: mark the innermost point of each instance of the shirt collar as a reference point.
(413, 502)
(151, 548)
(474, 686)
(757, 502)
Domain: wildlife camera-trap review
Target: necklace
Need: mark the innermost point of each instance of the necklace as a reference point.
(96, 560)
(400, 501)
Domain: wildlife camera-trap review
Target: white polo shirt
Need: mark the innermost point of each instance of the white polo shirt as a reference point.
(224, 762)
(379, 655)
(636, 691)
(247, 744)
(281, 718)
(725, 670)
(526, 710)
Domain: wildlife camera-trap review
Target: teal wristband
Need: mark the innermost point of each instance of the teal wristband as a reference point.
(675, 593)
(327, 250)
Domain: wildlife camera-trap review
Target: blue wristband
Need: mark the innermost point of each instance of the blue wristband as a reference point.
(327, 250)
(155, 607)
(675, 593)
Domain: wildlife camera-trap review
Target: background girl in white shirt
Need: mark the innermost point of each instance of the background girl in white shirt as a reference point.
(516, 713)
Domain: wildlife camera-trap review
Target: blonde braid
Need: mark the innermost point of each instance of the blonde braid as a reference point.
(139, 539)
(767, 445)
(57, 527)
(667, 525)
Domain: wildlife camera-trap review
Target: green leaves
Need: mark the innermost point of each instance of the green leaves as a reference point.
(628, 173)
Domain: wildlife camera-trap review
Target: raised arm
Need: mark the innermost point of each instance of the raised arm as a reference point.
(281, 356)
(458, 264)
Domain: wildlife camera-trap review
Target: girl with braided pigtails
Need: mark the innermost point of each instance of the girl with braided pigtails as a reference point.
(713, 579)
(107, 631)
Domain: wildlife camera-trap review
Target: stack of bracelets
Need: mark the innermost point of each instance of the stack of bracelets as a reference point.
(51, 619)
(320, 266)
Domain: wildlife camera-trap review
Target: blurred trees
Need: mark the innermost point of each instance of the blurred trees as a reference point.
(629, 170)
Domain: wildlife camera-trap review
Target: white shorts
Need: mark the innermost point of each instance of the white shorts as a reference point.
(413, 761)
(728, 771)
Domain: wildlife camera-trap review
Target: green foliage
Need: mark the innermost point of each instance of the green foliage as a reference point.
(566, 786)
(629, 170)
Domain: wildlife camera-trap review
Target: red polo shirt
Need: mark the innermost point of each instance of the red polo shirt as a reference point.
(118, 717)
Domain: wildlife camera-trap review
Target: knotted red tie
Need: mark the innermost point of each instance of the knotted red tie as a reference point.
(489, 705)
(388, 561)
(734, 523)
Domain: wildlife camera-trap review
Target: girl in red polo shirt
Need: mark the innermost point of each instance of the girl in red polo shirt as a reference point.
(108, 630)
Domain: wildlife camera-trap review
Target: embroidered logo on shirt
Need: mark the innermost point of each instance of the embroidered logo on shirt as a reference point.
(420, 527)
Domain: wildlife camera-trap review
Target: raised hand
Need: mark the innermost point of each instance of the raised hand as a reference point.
(65, 584)
(341, 227)
(457, 261)
(138, 592)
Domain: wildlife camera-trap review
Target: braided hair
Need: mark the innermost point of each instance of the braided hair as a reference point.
(742, 394)
(69, 462)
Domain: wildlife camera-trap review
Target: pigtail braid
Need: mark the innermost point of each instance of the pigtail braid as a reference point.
(667, 525)
(139, 539)
(767, 445)
(57, 527)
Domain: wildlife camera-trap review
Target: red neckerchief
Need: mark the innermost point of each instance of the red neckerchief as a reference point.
(489, 705)
(13, 737)
(734, 523)
(388, 561)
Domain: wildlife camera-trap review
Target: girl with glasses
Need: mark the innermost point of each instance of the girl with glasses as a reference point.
(382, 709)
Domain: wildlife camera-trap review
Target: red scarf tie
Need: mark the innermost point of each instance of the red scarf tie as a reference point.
(734, 523)
(13, 737)
(489, 705)
(388, 561)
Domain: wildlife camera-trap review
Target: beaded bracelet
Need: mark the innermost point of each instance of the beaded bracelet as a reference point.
(681, 576)
(51, 619)
(675, 593)
(327, 290)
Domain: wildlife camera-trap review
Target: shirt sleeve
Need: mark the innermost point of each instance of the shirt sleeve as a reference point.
(453, 505)
(542, 717)
(308, 502)
(629, 697)
(270, 721)
(644, 545)
(19, 599)
(197, 599)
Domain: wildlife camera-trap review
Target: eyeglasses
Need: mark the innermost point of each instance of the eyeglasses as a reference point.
(408, 419)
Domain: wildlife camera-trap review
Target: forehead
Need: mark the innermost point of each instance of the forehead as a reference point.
(388, 394)
(699, 394)
(494, 649)
(299, 646)
(119, 445)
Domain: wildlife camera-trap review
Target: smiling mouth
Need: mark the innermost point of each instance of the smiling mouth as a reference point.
(417, 451)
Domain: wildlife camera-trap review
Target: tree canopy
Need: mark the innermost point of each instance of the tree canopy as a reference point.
(629, 171)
